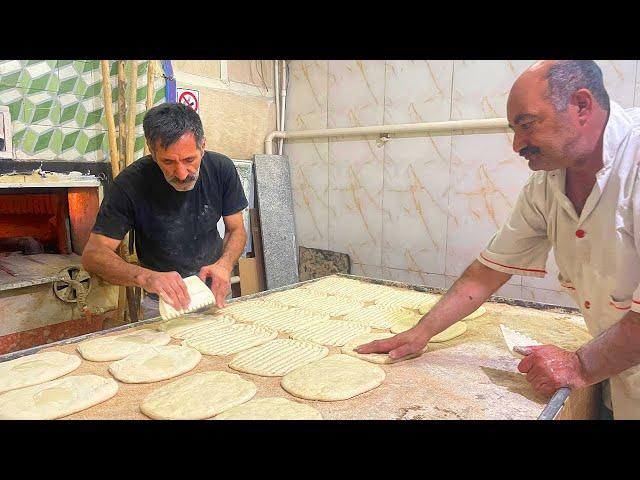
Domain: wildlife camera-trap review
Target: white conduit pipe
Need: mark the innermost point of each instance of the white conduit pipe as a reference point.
(384, 130)
(283, 102)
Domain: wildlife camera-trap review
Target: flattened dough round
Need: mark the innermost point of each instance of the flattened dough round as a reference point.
(349, 349)
(183, 326)
(198, 396)
(331, 332)
(274, 408)
(116, 347)
(277, 357)
(231, 339)
(34, 369)
(336, 377)
(477, 313)
(154, 364)
(57, 398)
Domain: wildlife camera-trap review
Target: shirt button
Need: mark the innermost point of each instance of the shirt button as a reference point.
(587, 304)
(579, 233)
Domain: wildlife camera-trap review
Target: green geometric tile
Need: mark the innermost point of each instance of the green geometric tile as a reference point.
(64, 63)
(142, 68)
(43, 141)
(80, 116)
(94, 90)
(95, 143)
(11, 79)
(15, 107)
(67, 85)
(160, 95)
(68, 113)
(29, 140)
(141, 94)
(81, 142)
(69, 140)
(17, 136)
(93, 117)
(139, 143)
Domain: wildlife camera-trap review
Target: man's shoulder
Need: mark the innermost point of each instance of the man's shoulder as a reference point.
(217, 160)
(137, 169)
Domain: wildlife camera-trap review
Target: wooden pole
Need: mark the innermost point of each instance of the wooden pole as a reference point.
(122, 111)
(150, 93)
(114, 156)
(131, 112)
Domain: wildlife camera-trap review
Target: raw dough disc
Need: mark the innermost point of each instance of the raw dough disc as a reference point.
(231, 339)
(334, 306)
(477, 313)
(377, 316)
(336, 377)
(252, 313)
(116, 347)
(349, 349)
(297, 297)
(198, 396)
(34, 369)
(247, 307)
(203, 327)
(178, 327)
(410, 299)
(450, 333)
(277, 357)
(292, 320)
(154, 364)
(331, 332)
(57, 398)
(274, 408)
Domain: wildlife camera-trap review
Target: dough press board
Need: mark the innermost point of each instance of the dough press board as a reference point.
(201, 296)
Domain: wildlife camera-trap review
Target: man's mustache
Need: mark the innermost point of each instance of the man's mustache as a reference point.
(189, 179)
(529, 151)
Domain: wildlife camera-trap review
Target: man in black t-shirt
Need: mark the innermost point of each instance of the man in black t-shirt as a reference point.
(173, 200)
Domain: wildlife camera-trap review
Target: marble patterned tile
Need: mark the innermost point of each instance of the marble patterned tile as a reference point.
(416, 184)
(486, 178)
(356, 93)
(308, 161)
(362, 270)
(636, 102)
(307, 95)
(481, 87)
(418, 91)
(548, 296)
(414, 277)
(355, 199)
(619, 78)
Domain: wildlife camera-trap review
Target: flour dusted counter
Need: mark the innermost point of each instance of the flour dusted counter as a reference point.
(469, 377)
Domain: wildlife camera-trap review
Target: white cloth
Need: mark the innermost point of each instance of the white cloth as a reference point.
(597, 253)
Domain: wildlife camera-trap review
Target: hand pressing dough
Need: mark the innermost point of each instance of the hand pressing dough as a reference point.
(231, 339)
(34, 369)
(178, 327)
(331, 332)
(154, 364)
(198, 396)
(275, 408)
(277, 357)
(116, 347)
(349, 349)
(336, 377)
(57, 398)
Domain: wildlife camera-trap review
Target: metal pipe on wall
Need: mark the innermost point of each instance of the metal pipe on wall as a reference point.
(385, 130)
(283, 102)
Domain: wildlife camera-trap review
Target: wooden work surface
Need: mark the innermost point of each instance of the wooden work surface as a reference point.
(470, 377)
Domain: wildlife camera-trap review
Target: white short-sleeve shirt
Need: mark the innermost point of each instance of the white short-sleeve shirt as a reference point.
(597, 252)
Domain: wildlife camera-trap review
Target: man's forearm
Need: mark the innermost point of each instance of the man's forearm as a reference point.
(613, 351)
(475, 285)
(233, 246)
(109, 266)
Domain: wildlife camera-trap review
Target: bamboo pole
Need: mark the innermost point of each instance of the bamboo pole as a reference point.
(150, 93)
(131, 112)
(122, 111)
(114, 156)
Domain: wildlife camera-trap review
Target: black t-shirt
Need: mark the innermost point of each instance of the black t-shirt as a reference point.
(174, 231)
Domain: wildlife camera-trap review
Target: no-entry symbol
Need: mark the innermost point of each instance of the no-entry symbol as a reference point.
(190, 98)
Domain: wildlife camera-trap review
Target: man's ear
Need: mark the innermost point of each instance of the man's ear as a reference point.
(584, 103)
(204, 144)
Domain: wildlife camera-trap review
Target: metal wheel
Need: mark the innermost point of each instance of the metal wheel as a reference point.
(66, 288)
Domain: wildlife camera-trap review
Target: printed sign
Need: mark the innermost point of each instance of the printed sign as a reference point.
(188, 97)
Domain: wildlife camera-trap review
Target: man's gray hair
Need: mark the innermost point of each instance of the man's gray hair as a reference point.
(568, 76)
(167, 122)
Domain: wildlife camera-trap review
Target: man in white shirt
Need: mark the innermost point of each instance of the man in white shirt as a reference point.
(583, 200)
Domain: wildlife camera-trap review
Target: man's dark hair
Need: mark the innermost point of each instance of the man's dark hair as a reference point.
(568, 76)
(167, 122)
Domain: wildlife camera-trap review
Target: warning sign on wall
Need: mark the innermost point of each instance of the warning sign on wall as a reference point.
(190, 98)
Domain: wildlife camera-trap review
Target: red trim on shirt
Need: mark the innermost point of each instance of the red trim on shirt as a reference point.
(636, 301)
(620, 308)
(515, 268)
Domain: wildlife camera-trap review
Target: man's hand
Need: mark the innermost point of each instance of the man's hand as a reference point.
(403, 344)
(220, 281)
(168, 285)
(549, 368)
